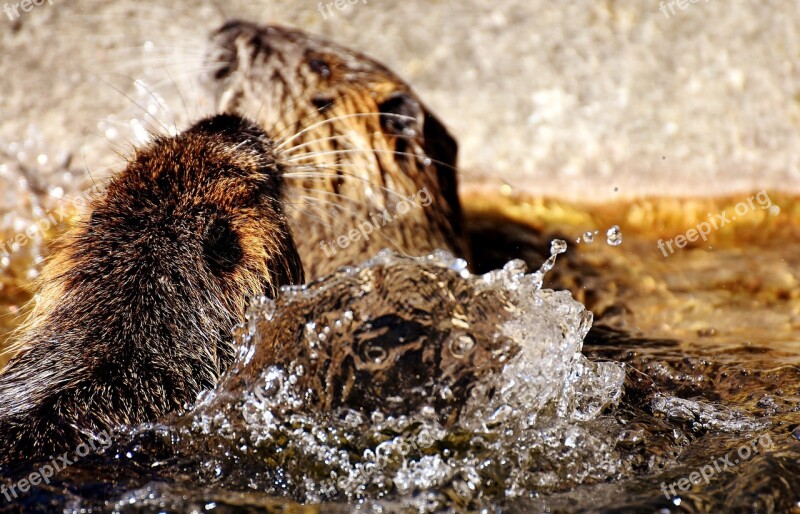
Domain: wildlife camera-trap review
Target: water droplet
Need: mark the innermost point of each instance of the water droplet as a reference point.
(558, 246)
(501, 413)
(347, 317)
(588, 237)
(458, 265)
(428, 411)
(774, 210)
(446, 394)
(516, 266)
(614, 236)
(272, 385)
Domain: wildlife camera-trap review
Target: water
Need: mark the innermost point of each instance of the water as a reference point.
(407, 378)
(406, 385)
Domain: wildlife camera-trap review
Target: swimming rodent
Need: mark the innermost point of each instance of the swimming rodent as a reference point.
(356, 136)
(138, 302)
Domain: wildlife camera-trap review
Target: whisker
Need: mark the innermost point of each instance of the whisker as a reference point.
(373, 150)
(331, 193)
(139, 84)
(301, 209)
(334, 205)
(328, 176)
(289, 152)
(134, 102)
(301, 121)
(283, 142)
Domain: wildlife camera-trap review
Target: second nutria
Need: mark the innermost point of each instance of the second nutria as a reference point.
(138, 302)
(371, 166)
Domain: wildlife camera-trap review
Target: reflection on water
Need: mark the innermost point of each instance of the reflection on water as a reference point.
(416, 386)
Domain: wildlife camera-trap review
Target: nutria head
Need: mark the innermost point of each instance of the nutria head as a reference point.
(358, 144)
(138, 302)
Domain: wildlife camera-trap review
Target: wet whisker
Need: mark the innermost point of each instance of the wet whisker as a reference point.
(368, 150)
(340, 176)
(283, 142)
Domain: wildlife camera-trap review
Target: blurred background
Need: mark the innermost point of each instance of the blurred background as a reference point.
(590, 101)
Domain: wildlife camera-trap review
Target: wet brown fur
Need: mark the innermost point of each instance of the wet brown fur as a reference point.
(138, 302)
(358, 128)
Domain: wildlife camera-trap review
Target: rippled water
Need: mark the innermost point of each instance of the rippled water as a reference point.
(412, 385)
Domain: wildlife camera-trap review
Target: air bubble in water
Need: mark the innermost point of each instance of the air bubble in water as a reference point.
(461, 346)
(375, 354)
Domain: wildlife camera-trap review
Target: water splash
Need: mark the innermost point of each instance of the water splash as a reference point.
(614, 236)
(411, 377)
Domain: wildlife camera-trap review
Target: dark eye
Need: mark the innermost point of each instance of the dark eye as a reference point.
(221, 247)
(320, 67)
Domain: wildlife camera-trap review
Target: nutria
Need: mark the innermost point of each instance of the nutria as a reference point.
(137, 303)
(356, 136)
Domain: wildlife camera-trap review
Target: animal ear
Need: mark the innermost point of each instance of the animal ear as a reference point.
(442, 148)
(221, 247)
(403, 115)
(224, 57)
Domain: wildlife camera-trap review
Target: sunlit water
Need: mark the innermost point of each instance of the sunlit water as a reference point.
(414, 385)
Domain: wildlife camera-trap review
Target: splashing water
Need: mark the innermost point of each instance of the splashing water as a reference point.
(614, 236)
(411, 377)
